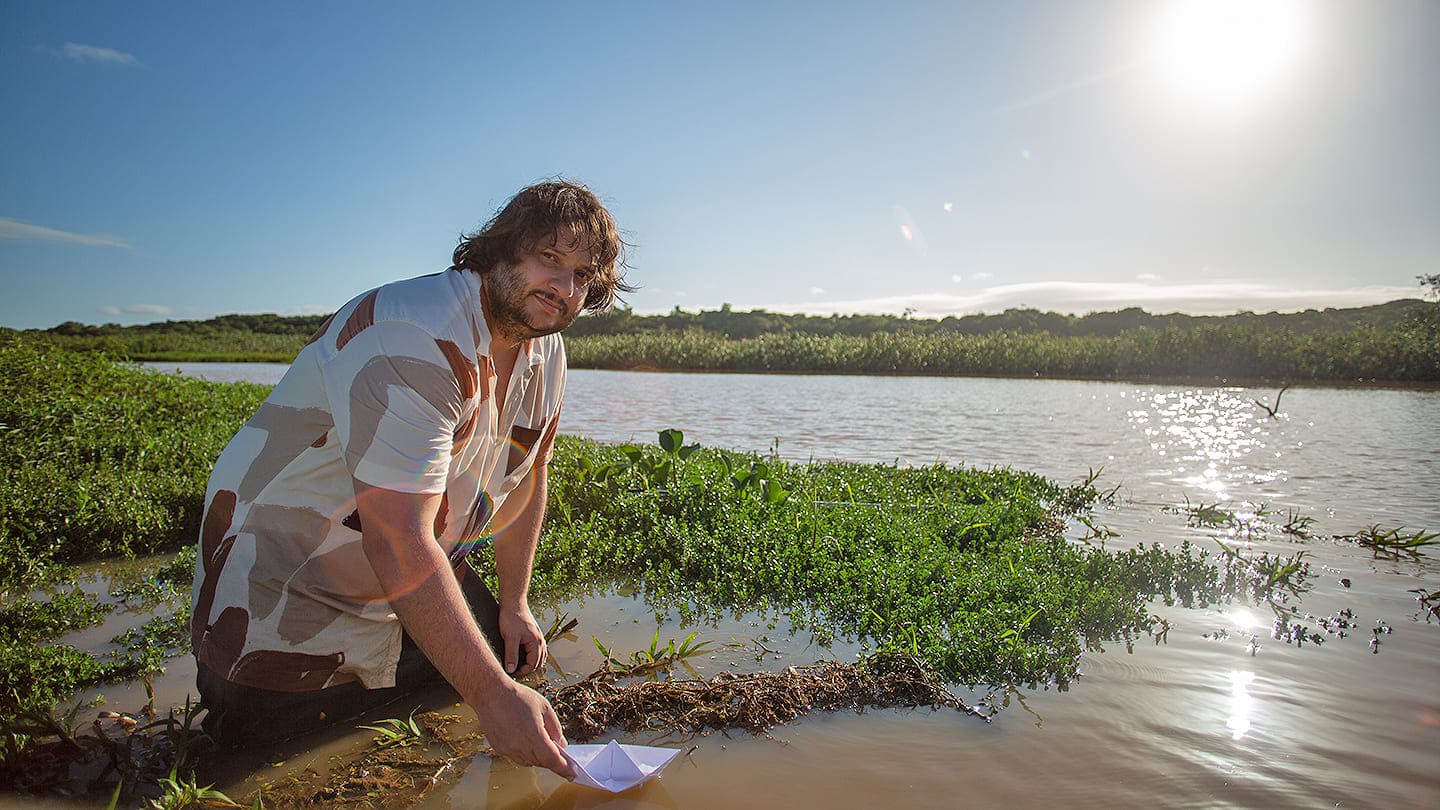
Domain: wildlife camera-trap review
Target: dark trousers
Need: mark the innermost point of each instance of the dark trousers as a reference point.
(241, 716)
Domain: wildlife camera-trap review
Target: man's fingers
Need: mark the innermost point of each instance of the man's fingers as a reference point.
(512, 652)
(557, 741)
(554, 730)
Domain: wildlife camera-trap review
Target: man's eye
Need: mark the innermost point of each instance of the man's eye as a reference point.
(584, 276)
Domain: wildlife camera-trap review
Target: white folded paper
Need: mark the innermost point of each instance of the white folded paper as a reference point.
(616, 767)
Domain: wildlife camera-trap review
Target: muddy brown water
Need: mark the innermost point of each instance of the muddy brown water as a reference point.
(1201, 720)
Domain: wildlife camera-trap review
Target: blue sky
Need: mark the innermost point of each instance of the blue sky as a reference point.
(187, 160)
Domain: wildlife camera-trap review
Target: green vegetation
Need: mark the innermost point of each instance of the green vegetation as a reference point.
(397, 731)
(1399, 341)
(1395, 353)
(184, 792)
(103, 460)
(965, 569)
(1391, 543)
(37, 675)
(232, 338)
(654, 659)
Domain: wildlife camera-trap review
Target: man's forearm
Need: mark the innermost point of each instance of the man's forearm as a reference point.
(424, 593)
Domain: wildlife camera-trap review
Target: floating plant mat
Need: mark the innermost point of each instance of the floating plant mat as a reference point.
(400, 770)
(755, 702)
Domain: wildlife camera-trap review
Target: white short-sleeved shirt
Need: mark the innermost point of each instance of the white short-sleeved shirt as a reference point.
(395, 390)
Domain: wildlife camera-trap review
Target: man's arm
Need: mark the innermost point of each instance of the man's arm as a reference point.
(519, 520)
(399, 543)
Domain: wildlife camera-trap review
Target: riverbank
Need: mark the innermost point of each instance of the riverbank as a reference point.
(1397, 343)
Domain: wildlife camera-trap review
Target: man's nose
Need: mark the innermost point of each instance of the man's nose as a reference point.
(563, 281)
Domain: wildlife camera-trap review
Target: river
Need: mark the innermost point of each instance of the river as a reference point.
(1200, 720)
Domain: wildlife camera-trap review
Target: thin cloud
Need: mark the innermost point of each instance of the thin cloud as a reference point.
(77, 52)
(24, 231)
(306, 309)
(1217, 297)
(135, 309)
(817, 290)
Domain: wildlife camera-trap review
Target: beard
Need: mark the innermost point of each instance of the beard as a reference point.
(507, 306)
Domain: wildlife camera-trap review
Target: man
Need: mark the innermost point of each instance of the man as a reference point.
(331, 576)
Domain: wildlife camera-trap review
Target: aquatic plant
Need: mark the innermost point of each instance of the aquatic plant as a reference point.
(1392, 543)
(1207, 515)
(654, 658)
(1429, 602)
(1271, 410)
(182, 792)
(756, 702)
(560, 627)
(1094, 532)
(1297, 524)
(397, 731)
(1269, 578)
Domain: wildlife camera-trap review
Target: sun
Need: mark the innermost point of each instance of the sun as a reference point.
(1228, 53)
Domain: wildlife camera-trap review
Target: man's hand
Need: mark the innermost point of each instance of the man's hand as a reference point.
(399, 543)
(521, 725)
(519, 630)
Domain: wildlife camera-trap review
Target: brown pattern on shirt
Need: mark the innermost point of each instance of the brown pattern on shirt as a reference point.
(286, 671)
(370, 397)
(285, 537)
(464, 433)
(223, 640)
(345, 570)
(361, 318)
(319, 333)
(286, 430)
(521, 440)
(214, 551)
(466, 375)
(547, 442)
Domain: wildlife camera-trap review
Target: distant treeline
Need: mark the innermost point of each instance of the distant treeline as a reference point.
(754, 323)
(1398, 341)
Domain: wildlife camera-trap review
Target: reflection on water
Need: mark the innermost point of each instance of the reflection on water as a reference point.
(1240, 704)
(1202, 432)
(262, 373)
(1219, 714)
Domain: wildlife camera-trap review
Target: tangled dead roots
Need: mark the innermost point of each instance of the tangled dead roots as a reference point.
(756, 702)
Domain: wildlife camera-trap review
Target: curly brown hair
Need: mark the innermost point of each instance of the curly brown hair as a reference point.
(534, 217)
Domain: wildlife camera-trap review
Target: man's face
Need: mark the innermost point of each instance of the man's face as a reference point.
(542, 293)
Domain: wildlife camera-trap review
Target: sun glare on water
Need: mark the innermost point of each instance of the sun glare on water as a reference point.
(1228, 54)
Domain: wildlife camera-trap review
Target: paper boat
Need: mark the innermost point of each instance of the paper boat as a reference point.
(616, 767)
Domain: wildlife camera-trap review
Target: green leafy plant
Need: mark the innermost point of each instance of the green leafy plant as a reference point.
(560, 627)
(394, 731)
(1093, 531)
(1392, 543)
(184, 792)
(1297, 524)
(757, 480)
(1208, 515)
(655, 657)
